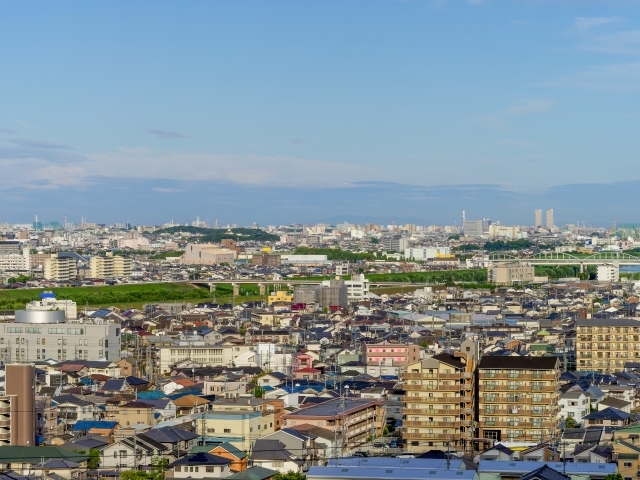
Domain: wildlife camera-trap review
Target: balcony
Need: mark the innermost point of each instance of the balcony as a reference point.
(433, 400)
(420, 424)
(5, 422)
(521, 376)
(431, 436)
(432, 411)
(5, 409)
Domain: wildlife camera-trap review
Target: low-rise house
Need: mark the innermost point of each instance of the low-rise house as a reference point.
(71, 409)
(136, 412)
(254, 473)
(60, 468)
(272, 454)
(190, 404)
(574, 403)
(627, 458)
(616, 403)
(201, 466)
(177, 440)
(123, 453)
(24, 459)
(609, 417)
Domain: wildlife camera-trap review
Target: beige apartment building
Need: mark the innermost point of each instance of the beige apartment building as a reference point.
(439, 402)
(508, 274)
(60, 268)
(518, 398)
(207, 254)
(605, 345)
(110, 266)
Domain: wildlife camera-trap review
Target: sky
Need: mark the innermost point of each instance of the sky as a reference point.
(289, 111)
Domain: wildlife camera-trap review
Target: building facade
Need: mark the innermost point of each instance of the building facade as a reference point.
(207, 254)
(439, 402)
(110, 266)
(391, 354)
(60, 268)
(518, 398)
(510, 273)
(18, 406)
(605, 345)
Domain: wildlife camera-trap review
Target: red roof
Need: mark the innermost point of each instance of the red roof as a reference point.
(309, 370)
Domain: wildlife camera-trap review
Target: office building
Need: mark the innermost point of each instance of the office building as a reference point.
(16, 262)
(357, 287)
(330, 293)
(518, 398)
(508, 274)
(549, 214)
(207, 254)
(62, 269)
(608, 273)
(439, 402)
(45, 334)
(472, 228)
(537, 218)
(18, 406)
(265, 259)
(605, 345)
(110, 266)
(510, 232)
(396, 243)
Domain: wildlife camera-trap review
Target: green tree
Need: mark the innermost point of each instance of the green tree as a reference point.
(570, 422)
(94, 459)
(134, 475)
(158, 467)
(613, 476)
(291, 475)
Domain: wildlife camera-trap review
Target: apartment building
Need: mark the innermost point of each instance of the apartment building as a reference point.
(17, 406)
(391, 354)
(60, 268)
(205, 355)
(110, 266)
(605, 345)
(355, 419)
(439, 402)
(207, 254)
(518, 398)
(240, 427)
(510, 273)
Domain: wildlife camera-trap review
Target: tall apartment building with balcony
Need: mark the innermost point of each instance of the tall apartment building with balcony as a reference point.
(518, 398)
(439, 402)
(604, 346)
(110, 266)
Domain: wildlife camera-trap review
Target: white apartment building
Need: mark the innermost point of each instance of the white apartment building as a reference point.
(16, 261)
(60, 268)
(510, 232)
(201, 354)
(608, 273)
(357, 287)
(425, 253)
(574, 403)
(110, 266)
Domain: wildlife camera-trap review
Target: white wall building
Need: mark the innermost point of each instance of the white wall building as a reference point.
(608, 273)
(425, 253)
(48, 301)
(574, 403)
(357, 287)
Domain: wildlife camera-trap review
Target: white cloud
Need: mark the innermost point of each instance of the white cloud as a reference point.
(146, 164)
(531, 106)
(584, 23)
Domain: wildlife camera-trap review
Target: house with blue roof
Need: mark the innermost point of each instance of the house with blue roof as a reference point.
(609, 417)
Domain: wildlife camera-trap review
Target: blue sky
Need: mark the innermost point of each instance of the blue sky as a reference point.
(157, 107)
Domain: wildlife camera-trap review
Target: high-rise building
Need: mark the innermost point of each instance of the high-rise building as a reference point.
(60, 268)
(518, 398)
(538, 218)
(549, 213)
(18, 406)
(439, 401)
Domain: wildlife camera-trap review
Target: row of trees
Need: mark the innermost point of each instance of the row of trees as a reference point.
(337, 254)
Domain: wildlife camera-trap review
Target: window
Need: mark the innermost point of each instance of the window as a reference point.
(228, 430)
(177, 468)
(210, 469)
(627, 464)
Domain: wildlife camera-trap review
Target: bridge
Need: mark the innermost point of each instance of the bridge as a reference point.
(556, 259)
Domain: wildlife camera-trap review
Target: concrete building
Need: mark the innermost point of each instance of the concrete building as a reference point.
(357, 288)
(60, 268)
(605, 345)
(48, 302)
(507, 231)
(205, 355)
(396, 243)
(331, 293)
(307, 260)
(518, 398)
(355, 419)
(207, 254)
(15, 261)
(439, 402)
(9, 247)
(391, 354)
(574, 403)
(508, 274)
(240, 428)
(265, 259)
(45, 334)
(549, 215)
(608, 273)
(110, 266)
(473, 228)
(425, 253)
(18, 406)
(537, 218)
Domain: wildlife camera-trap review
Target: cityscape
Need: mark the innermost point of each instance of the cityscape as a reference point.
(281, 240)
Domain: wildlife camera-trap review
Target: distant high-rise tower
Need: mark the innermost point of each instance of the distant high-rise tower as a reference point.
(550, 218)
(464, 217)
(538, 218)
